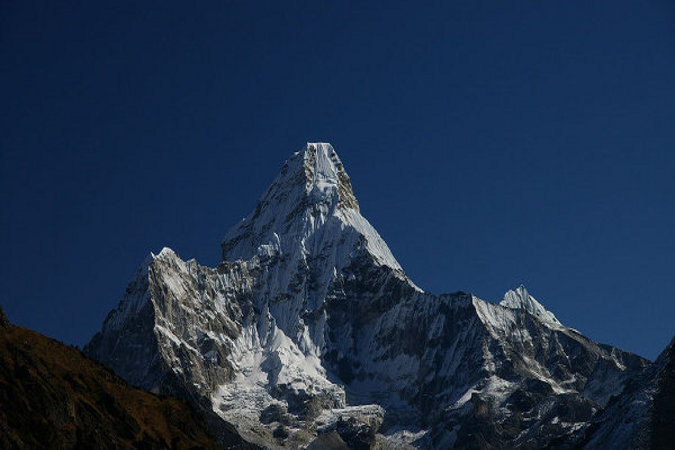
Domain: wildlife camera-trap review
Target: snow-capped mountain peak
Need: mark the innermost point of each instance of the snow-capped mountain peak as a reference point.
(164, 252)
(309, 211)
(521, 299)
(310, 330)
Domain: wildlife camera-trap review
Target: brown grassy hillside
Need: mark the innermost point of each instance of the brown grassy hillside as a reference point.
(52, 396)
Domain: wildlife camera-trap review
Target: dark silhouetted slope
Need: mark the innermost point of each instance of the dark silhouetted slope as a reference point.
(663, 416)
(52, 396)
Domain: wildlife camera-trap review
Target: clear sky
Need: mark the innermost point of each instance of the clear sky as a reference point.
(490, 143)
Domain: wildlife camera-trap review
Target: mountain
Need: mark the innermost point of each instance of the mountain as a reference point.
(643, 415)
(309, 332)
(662, 431)
(52, 396)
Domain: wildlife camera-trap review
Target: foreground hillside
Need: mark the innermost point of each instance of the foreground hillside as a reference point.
(52, 396)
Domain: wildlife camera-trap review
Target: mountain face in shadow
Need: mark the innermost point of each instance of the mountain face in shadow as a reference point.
(642, 416)
(663, 413)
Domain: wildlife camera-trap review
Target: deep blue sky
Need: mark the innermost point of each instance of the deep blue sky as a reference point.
(490, 143)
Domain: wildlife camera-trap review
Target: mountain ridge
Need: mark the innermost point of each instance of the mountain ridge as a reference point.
(309, 327)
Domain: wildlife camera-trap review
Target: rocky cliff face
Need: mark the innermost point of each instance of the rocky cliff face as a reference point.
(310, 331)
(642, 416)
